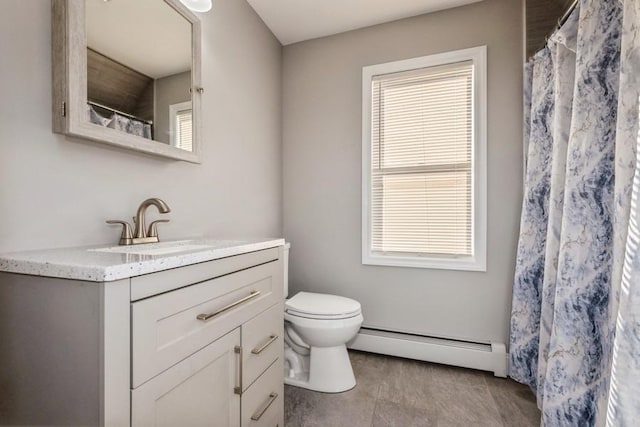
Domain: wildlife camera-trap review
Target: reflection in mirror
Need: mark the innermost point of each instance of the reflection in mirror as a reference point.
(139, 70)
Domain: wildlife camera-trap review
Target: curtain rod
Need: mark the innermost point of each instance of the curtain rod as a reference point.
(568, 13)
(561, 22)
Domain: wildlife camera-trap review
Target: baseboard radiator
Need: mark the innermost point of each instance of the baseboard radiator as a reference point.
(485, 357)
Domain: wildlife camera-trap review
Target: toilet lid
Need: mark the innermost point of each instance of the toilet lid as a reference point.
(310, 304)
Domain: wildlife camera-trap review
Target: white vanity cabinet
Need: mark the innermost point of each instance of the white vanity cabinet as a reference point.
(198, 345)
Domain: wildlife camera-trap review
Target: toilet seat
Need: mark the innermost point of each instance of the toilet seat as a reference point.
(293, 313)
(322, 306)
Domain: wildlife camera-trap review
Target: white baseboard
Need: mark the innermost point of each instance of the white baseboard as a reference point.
(485, 357)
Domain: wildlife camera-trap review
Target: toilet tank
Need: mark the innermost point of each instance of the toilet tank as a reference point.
(287, 245)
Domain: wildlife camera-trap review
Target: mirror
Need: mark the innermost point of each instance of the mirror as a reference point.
(131, 74)
(142, 84)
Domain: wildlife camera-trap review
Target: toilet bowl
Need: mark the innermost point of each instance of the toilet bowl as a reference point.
(316, 334)
(317, 328)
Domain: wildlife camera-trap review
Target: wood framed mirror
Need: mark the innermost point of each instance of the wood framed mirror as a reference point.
(128, 73)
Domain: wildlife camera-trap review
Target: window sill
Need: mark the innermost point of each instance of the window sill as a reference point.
(461, 264)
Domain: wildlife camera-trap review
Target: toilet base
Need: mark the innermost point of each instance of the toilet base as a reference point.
(330, 368)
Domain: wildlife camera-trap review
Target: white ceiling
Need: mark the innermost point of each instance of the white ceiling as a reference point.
(146, 35)
(296, 20)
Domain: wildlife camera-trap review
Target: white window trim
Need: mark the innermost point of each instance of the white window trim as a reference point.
(173, 117)
(477, 262)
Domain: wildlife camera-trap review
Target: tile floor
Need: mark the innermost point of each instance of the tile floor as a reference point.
(406, 393)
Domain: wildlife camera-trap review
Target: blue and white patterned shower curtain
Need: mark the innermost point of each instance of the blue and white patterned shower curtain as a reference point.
(575, 324)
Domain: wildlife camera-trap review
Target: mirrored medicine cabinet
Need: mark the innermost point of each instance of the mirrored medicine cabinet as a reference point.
(127, 73)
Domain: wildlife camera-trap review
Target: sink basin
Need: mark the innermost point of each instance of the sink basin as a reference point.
(166, 248)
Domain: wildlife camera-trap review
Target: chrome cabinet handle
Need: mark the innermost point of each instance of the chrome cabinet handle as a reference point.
(260, 412)
(260, 349)
(204, 317)
(238, 351)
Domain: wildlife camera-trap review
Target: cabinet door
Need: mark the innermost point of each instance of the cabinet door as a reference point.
(199, 391)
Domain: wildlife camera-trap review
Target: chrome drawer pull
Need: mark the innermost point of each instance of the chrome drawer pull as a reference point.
(260, 349)
(206, 317)
(272, 398)
(238, 351)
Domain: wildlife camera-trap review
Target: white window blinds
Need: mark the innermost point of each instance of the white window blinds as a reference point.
(422, 162)
(184, 129)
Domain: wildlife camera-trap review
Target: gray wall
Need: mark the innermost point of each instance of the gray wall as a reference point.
(169, 90)
(322, 173)
(57, 192)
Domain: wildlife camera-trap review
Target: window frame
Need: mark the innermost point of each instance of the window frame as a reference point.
(174, 109)
(478, 261)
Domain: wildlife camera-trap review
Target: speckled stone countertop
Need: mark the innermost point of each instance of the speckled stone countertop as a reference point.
(104, 264)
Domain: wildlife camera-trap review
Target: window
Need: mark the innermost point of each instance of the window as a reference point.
(424, 162)
(181, 119)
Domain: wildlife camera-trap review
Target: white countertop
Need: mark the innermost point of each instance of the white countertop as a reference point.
(105, 264)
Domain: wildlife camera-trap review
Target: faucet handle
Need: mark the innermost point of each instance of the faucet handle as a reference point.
(153, 228)
(126, 236)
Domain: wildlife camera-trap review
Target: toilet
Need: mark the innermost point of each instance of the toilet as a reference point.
(317, 328)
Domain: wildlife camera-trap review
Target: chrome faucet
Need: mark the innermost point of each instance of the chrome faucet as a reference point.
(140, 233)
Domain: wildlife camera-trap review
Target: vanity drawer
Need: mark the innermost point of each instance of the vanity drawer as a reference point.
(167, 328)
(156, 283)
(262, 343)
(263, 402)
